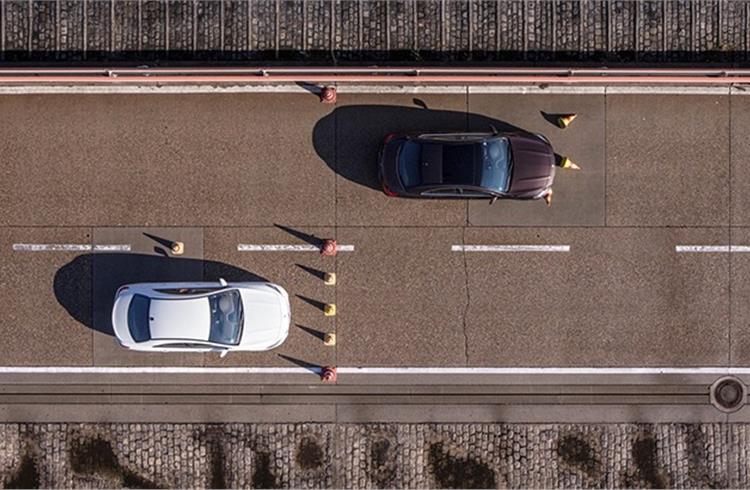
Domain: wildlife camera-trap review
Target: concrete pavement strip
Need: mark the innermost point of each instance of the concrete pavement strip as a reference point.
(385, 370)
(185, 394)
(408, 396)
(349, 88)
(356, 403)
(364, 413)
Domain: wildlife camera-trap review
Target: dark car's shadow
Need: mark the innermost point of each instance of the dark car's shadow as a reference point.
(86, 286)
(348, 139)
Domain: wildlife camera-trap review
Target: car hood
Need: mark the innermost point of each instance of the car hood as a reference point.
(533, 164)
(266, 318)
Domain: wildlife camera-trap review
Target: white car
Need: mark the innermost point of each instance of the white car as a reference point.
(201, 316)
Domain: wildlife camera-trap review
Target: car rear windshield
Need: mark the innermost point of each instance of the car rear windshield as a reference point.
(138, 318)
(226, 317)
(409, 164)
(496, 164)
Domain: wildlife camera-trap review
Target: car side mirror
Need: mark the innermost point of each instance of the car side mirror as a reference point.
(222, 282)
(493, 199)
(224, 353)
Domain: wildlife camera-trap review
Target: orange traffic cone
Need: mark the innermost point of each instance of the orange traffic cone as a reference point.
(565, 120)
(328, 95)
(328, 248)
(328, 374)
(568, 163)
(548, 198)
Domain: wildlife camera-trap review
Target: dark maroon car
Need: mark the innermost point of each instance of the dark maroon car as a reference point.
(492, 165)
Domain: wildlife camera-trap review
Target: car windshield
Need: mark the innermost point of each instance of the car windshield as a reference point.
(496, 164)
(138, 318)
(226, 317)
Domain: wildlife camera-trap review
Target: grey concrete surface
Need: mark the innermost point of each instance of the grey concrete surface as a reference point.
(740, 162)
(402, 297)
(620, 297)
(739, 284)
(36, 328)
(142, 161)
(668, 160)
(219, 170)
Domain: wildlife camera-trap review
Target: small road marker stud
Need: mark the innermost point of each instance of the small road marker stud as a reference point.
(329, 309)
(329, 339)
(329, 279)
(178, 248)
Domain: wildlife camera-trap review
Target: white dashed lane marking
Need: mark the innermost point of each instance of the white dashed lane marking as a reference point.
(510, 248)
(69, 247)
(712, 248)
(249, 247)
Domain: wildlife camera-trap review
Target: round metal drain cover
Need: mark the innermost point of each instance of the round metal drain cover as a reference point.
(728, 394)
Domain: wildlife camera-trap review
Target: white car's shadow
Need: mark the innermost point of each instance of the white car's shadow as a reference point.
(86, 286)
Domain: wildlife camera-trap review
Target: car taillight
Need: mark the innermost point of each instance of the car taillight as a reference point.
(387, 191)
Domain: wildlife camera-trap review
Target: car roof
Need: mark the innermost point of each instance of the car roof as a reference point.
(461, 163)
(451, 163)
(180, 318)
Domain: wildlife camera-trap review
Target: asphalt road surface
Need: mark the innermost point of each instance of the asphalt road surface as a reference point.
(608, 282)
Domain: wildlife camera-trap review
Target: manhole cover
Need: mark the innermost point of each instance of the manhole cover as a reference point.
(728, 394)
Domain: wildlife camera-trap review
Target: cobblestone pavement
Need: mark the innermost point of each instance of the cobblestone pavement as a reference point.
(373, 455)
(336, 31)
